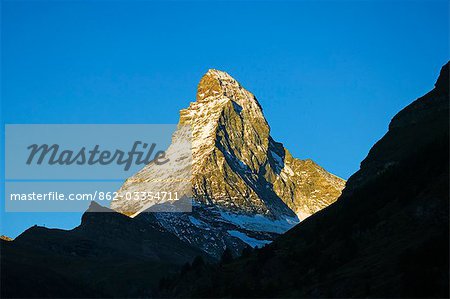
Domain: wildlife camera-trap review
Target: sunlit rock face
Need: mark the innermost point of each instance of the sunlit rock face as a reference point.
(223, 157)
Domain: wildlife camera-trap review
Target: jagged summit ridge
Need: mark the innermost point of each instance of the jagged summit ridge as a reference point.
(236, 165)
(215, 83)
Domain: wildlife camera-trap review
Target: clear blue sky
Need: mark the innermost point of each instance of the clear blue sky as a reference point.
(329, 75)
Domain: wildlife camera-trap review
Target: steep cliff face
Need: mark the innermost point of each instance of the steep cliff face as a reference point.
(224, 150)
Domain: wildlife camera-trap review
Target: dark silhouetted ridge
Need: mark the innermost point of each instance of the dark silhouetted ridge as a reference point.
(386, 236)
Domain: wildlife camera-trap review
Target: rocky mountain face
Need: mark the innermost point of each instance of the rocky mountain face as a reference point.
(245, 186)
(387, 236)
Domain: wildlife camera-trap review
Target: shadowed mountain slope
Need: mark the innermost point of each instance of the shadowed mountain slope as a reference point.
(108, 255)
(386, 236)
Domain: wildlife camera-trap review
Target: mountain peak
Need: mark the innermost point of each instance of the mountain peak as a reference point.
(219, 74)
(245, 186)
(235, 163)
(215, 83)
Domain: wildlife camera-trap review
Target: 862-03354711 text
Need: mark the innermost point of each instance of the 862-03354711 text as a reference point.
(97, 195)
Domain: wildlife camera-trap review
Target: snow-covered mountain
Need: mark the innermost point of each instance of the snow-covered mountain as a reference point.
(246, 187)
